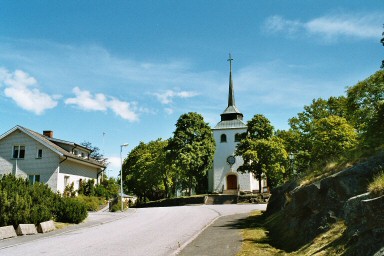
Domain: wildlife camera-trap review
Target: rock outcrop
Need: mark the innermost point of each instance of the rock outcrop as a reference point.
(299, 214)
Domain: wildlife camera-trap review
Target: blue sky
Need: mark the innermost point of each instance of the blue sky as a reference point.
(129, 69)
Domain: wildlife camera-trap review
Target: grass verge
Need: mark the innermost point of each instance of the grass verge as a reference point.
(256, 240)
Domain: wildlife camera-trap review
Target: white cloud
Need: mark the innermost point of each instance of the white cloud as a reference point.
(86, 101)
(99, 102)
(123, 109)
(166, 97)
(329, 27)
(21, 88)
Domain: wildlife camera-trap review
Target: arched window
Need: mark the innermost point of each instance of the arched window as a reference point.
(237, 137)
(223, 138)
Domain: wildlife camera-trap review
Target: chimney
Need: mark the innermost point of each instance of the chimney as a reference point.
(48, 134)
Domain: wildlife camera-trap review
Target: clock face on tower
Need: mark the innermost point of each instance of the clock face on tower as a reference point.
(231, 160)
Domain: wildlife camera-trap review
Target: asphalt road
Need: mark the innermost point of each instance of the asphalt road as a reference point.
(148, 231)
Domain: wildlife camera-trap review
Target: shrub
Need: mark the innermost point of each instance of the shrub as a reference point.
(87, 188)
(71, 210)
(92, 203)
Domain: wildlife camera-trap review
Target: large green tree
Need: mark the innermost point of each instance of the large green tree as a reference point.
(262, 152)
(331, 137)
(145, 171)
(364, 101)
(191, 149)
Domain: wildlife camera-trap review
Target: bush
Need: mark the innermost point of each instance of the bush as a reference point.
(92, 203)
(71, 210)
(21, 202)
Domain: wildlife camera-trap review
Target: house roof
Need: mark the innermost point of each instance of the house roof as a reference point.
(50, 143)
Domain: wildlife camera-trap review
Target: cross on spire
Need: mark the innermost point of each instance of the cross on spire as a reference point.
(230, 62)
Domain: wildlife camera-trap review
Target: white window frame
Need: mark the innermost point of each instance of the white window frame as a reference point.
(38, 155)
(34, 178)
(18, 151)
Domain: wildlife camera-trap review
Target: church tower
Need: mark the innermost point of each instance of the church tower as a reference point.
(227, 134)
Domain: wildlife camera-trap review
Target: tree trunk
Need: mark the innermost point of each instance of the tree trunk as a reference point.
(259, 178)
(190, 186)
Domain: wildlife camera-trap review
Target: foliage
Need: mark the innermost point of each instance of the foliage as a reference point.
(377, 185)
(145, 170)
(69, 190)
(92, 203)
(192, 148)
(87, 188)
(364, 100)
(259, 127)
(320, 133)
(95, 154)
(107, 188)
(331, 136)
(21, 202)
(71, 210)
(262, 152)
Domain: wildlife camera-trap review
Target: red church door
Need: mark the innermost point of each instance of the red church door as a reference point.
(231, 182)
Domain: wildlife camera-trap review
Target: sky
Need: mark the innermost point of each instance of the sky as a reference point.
(116, 72)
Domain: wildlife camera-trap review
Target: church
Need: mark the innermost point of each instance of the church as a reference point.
(224, 178)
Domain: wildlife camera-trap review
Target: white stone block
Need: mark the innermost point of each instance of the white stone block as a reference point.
(7, 232)
(26, 229)
(46, 226)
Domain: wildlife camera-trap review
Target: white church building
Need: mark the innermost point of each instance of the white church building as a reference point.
(224, 178)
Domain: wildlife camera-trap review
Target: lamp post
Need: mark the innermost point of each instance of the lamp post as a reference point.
(121, 175)
(292, 158)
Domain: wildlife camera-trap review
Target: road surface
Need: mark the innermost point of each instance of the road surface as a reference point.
(146, 231)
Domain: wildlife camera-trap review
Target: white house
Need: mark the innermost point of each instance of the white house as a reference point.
(224, 178)
(42, 158)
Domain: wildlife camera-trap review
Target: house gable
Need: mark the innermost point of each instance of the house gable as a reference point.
(46, 159)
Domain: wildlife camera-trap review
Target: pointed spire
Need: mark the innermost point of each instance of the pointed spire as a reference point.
(231, 94)
(231, 112)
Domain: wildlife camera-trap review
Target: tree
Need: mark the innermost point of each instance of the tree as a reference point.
(305, 126)
(331, 137)
(364, 99)
(192, 148)
(262, 152)
(95, 154)
(145, 171)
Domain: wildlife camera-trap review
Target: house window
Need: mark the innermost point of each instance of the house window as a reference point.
(66, 181)
(39, 153)
(75, 152)
(33, 179)
(18, 152)
(223, 138)
(237, 137)
(82, 154)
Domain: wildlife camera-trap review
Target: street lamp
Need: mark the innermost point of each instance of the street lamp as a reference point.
(121, 175)
(292, 158)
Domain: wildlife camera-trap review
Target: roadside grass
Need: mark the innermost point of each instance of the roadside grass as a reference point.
(61, 225)
(376, 187)
(257, 242)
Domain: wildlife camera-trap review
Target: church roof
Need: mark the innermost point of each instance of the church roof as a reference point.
(230, 124)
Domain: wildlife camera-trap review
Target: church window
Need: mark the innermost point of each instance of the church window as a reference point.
(223, 138)
(237, 137)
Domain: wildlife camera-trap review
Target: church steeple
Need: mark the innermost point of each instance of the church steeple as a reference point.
(231, 95)
(231, 112)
